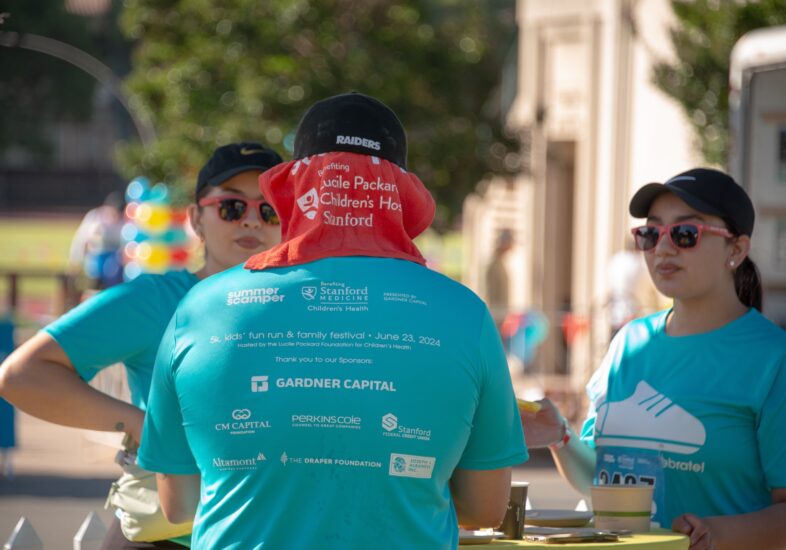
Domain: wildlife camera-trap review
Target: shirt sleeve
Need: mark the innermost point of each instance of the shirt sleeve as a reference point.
(497, 438)
(164, 447)
(111, 327)
(772, 444)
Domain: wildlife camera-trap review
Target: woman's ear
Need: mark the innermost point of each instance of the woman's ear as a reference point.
(740, 248)
(195, 218)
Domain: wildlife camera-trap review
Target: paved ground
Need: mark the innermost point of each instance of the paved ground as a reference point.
(61, 474)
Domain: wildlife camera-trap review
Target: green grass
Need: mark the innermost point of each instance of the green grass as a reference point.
(39, 244)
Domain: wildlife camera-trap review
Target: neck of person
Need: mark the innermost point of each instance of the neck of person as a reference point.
(705, 313)
(210, 268)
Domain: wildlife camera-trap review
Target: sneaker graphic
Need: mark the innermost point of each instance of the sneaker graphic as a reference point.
(308, 203)
(649, 420)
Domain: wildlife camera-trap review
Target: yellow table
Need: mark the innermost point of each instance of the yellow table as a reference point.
(656, 540)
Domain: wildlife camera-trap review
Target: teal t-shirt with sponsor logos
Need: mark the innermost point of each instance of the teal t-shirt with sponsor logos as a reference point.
(326, 405)
(699, 416)
(122, 324)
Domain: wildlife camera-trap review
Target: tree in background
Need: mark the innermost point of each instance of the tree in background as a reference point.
(699, 78)
(216, 71)
(36, 88)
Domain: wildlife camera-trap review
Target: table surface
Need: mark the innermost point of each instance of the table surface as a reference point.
(659, 540)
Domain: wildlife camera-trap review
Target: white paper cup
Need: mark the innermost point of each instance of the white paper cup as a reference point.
(622, 507)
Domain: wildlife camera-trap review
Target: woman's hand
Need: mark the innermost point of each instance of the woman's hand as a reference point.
(697, 529)
(544, 427)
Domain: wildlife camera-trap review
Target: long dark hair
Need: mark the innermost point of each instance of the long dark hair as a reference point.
(747, 284)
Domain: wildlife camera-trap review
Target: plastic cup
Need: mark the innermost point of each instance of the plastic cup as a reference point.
(513, 524)
(622, 507)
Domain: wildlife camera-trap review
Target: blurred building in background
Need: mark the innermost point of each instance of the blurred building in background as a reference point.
(594, 128)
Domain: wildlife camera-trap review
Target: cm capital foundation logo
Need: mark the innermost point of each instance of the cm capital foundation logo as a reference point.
(308, 203)
(241, 414)
(390, 422)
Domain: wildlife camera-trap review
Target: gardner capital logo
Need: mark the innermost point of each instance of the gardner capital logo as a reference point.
(241, 414)
(308, 203)
(390, 422)
(259, 384)
(309, 292)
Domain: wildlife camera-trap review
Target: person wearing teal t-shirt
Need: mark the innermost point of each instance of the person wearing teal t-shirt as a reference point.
(335, 393)
(47, 375)
(691, 400)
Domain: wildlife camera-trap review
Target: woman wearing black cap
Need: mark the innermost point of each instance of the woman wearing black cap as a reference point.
(47, 376)
(692, 399)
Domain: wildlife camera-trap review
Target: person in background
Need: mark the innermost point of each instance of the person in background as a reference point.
(48, 375)
(335, 393)
(96, 248)
(691, 399)
(497, 279)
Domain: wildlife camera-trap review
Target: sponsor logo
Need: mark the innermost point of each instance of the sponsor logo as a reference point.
(336, 383)
(328, 461)
(309, 293)
(323, 421)
(336, 296)
(242, 425)
(254, 296)
(241, 414)
(359, 142)
(238, 464)
(411, 466)
(393, 428)
(403, 297)
(259, 384)
(308, 203)
(389, 422)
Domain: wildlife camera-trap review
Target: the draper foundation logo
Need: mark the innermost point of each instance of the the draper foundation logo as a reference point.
(392, 427)
(259, 384)
(308, 203)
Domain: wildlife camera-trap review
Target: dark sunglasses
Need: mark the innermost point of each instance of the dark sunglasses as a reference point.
(233, 208)
(681, 235)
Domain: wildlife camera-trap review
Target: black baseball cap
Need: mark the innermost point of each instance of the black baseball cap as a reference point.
(229, 160)
(706, 190)
(352, 122)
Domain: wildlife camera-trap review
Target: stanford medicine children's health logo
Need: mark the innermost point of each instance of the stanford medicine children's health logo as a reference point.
(308, 203)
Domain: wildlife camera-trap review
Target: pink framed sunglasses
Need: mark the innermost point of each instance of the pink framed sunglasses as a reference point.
(681, 235)
(234, 208)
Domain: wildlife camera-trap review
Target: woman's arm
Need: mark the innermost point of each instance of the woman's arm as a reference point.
(574, 459)
(480, 496)
(179, 496)
(762, 530)
(39, 379)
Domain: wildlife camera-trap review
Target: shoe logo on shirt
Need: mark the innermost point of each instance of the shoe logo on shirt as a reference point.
(308, 203)
(259, 384)
(649, 420)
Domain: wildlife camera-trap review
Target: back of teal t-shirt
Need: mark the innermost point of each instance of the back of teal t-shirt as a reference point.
(327, 405)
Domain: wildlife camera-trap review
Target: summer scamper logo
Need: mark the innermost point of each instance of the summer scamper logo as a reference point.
(308, 203)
